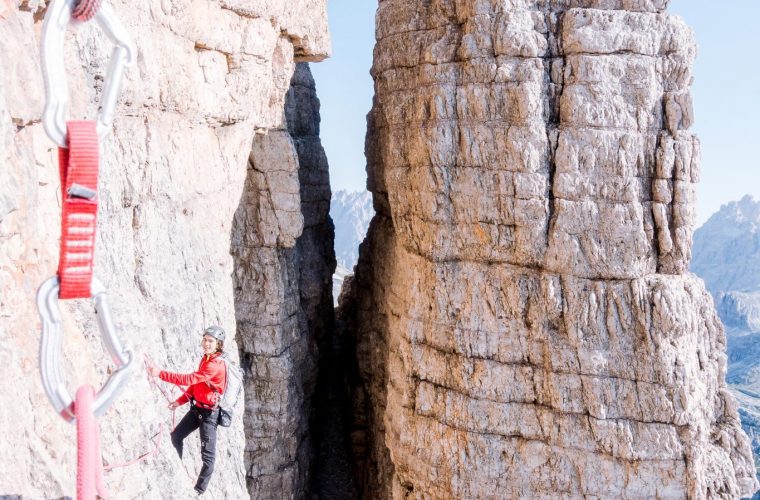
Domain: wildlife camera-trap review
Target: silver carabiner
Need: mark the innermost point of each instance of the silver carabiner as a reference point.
(124, 54)
(50, 350)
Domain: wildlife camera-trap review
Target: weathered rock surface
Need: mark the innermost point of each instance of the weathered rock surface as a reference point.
(208, 92)
(284, 260)
(524, 325)
(726, 257)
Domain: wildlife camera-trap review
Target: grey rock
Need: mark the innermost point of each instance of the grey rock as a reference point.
(284, 260)
(178, 194)
(726, 256)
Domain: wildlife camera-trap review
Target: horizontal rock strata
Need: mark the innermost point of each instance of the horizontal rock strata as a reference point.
(210, 76)
(523, 322)
(282, 244)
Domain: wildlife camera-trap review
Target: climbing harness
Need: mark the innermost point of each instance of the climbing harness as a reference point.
(78, 154)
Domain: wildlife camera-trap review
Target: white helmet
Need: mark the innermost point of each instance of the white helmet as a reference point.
(215, 331)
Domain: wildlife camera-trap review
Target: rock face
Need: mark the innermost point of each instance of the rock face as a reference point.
(205, 159)
(523, 322)
(282, 244)
(726, 256)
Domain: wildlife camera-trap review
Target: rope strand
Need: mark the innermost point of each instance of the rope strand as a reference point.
(89, 461)
(151, 453)
(156, 438)
(85, 10)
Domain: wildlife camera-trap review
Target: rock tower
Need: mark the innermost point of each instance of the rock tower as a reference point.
(524, 323)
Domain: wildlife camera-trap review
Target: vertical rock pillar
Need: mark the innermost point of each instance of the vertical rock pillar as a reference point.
(284, 260)
(523, 321)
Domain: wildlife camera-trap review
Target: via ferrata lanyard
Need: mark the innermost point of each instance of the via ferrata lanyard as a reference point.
(78, 155)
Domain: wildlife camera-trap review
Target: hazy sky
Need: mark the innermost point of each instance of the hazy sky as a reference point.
(726, 93)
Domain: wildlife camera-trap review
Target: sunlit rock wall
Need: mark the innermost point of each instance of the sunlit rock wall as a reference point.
(524, 324)
(209, 85)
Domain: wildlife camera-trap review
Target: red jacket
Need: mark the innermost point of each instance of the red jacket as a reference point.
(205, 385)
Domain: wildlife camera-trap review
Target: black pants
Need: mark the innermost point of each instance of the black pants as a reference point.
(206, 420)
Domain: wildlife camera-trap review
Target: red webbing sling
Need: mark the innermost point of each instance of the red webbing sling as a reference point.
(78, 167)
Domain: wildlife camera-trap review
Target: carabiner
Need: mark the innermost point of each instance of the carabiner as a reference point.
(124, 54)
(50, 350)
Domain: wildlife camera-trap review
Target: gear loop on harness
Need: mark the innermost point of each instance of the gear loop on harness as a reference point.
(57, 19)
(50, 350)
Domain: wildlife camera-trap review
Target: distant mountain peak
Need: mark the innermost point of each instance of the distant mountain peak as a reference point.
(351, 212)
(726, 254)
(726, 249)
(743, 214)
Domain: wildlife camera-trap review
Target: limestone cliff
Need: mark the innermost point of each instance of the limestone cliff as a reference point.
(520, 324)
(283, 248)
(207, 158)
(524, 325)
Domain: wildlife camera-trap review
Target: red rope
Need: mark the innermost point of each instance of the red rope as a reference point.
(90, 465)
(151, 453)
(89, 461)
(156, 437)
(169, 399)
(85, 10)
(153, 384)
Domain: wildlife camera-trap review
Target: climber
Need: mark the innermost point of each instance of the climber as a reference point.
(204, 388)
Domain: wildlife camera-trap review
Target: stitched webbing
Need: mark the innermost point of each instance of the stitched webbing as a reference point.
(78, 167)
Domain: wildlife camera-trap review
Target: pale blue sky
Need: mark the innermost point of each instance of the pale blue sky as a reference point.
(726, 94)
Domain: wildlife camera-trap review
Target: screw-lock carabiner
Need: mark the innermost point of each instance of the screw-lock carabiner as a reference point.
(50, 350)
(124, 54)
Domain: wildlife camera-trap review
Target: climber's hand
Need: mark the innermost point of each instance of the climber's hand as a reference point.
(173, 405)
(153, 370)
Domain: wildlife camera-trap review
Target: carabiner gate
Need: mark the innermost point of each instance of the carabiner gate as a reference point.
(50, 350)
(124, 54)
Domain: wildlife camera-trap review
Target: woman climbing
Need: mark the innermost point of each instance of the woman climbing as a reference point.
(204, 388)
